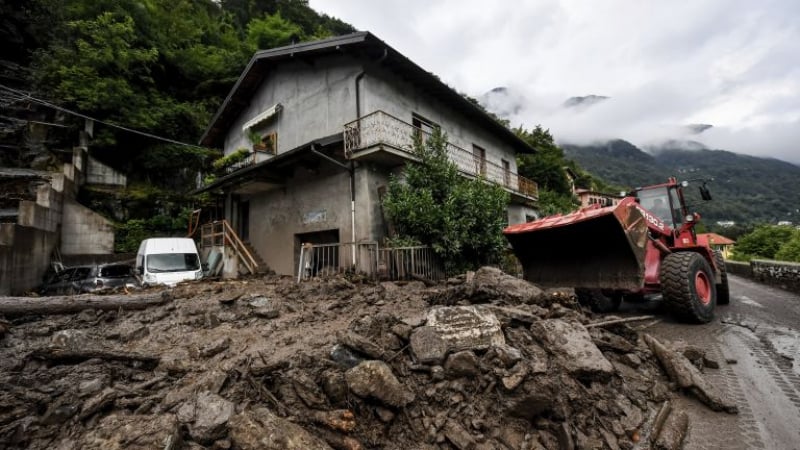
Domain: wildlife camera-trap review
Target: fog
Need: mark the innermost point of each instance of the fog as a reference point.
(734, 64)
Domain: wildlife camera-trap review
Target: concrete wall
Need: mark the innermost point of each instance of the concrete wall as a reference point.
(24, 257)
(318, 99)
(384, 91)
(85, 232)
(99, 173)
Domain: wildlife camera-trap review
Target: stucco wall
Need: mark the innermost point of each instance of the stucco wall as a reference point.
(318, 99)
(383, 91)
(24, 257)
(309, 202)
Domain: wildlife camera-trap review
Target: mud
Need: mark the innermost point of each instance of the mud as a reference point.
(481, 362)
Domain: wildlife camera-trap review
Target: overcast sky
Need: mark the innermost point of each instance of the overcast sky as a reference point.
(731, 63)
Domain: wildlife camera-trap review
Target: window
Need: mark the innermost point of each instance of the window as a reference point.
(479, 158)
(423, 127)
(506, 173)
(267, 143)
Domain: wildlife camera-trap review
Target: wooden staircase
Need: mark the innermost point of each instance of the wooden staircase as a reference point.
(261, 266)
(220, 234)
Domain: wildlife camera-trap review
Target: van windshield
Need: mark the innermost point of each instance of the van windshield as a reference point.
(172, 262)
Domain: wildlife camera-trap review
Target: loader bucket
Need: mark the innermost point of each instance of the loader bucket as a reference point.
(598, 248)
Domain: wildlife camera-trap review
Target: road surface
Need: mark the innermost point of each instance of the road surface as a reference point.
(758, 335)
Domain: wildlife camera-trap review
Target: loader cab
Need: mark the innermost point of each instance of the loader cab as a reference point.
(664, 202)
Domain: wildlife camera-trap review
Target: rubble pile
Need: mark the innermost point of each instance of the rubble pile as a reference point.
(484, 361)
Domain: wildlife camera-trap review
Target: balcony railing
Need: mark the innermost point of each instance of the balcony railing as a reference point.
(382, 129)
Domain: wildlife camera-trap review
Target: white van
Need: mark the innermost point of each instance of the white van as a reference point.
(168, 261)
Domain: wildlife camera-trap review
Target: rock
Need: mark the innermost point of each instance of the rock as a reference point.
(361, 344)
(345, 356)
(516, 376)
(606, 340)
(673, 432)
(427, 346)
(531, 405)
(338, 420)
(374, 379)
(133, 432)
(133, 333)
(492, 283)
(70, 339)
(503, 355)
(458, 436)
(308, 391)
(264, 307)
(572, 347)
(259, 429)
(59, 414)
(207, 416)
(334, 386)
(215, 347)
(92, 386)
(508, 315)
(385, 415)
(211, 380)
(466, 327)
(402, 330)
(688, 377)
(710, 363)
(461, 364)
(632, 360)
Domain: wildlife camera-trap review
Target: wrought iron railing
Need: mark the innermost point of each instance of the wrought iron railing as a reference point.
(370, 260)
(380, 128)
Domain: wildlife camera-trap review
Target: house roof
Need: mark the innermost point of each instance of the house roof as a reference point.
(362, 45)
(713, 239)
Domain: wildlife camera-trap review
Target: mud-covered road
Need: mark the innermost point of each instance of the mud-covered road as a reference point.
(756, 339)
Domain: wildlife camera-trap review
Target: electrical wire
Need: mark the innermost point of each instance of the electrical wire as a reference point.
(25, 96)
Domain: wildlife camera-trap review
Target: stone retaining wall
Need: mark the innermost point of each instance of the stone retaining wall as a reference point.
(784, 275)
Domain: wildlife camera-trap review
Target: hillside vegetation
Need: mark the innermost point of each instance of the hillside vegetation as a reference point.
(746, 189)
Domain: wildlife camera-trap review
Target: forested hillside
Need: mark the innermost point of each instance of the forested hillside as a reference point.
(158, 66)
(746, 189)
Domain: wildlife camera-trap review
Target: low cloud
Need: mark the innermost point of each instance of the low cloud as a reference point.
(734, 64)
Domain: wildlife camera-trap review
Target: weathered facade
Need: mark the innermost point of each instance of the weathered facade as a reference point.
(328, 122)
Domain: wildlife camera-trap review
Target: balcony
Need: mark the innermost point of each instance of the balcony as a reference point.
(385, 139)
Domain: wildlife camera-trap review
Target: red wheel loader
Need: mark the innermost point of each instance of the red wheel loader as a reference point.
(645, 244)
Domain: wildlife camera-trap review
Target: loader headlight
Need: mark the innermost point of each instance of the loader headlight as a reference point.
(690, 218)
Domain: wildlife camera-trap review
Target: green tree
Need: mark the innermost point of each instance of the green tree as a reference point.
(461, 219)
(790, 251)
(546, 165)
(271, 31)
(764, 242)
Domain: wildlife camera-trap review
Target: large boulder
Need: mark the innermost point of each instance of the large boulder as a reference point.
(491, 283)
(466, 327)
(572, 347)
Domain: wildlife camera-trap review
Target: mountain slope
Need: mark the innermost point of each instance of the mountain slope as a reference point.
(746, 189)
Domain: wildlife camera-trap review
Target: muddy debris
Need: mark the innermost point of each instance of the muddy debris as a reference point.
(483, 361)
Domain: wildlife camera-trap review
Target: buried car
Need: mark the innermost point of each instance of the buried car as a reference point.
(89, 279)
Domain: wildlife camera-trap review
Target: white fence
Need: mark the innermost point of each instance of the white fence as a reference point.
(368, 259)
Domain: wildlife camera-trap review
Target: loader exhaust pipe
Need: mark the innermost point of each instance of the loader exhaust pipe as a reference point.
(597, 248)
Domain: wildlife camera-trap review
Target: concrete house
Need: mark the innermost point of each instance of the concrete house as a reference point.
(325, 123)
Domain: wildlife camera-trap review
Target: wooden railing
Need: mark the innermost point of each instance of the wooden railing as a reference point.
(380, 128)
(220, 234)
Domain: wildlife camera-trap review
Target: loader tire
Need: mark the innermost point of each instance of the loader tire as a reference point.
(688, 288)
(723, 291)
(597, 300)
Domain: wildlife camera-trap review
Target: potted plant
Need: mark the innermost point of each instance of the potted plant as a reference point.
(257, 140)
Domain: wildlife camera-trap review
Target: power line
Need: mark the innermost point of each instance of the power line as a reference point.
(26, 96)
